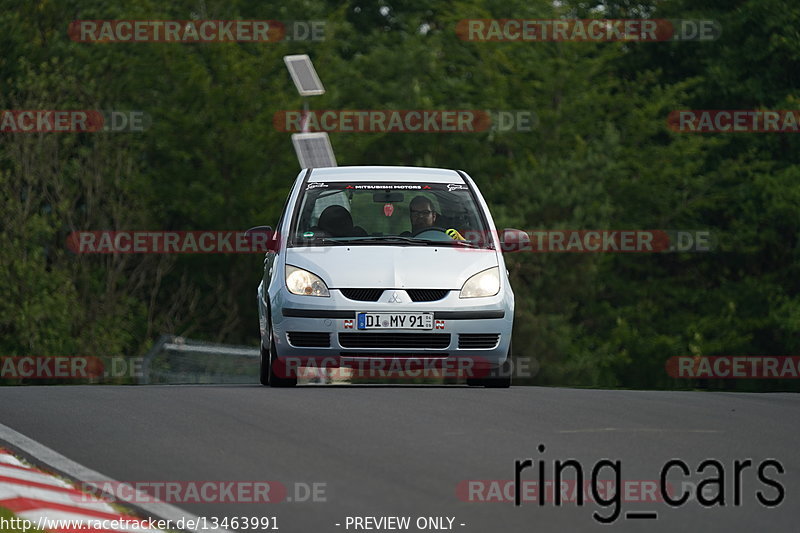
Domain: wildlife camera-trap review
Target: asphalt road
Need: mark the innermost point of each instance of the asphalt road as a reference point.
(404, 451)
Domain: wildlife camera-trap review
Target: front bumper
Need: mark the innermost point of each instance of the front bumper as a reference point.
(473, 332)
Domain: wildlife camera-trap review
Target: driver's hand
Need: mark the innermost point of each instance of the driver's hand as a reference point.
(455, 235)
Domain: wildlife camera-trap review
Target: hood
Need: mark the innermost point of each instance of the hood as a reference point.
(392, 267)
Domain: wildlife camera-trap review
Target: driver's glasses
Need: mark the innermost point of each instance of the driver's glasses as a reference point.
(416, 213)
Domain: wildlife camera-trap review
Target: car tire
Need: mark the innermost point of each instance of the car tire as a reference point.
(263, 373)
(267, 375)
(274, 379)
(498, 378)
(263, 369)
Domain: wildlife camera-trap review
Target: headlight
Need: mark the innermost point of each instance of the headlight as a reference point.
(486, 283)
(303, 282)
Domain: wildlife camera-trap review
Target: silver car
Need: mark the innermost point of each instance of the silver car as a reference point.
(387, 271)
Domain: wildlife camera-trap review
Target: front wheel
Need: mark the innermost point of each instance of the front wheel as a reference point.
(263, 373)
(274, 373)
(498, 378)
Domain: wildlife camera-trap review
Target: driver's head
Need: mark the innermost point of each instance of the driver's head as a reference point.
(422, 213)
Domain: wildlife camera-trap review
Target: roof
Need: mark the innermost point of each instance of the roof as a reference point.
(385, 174)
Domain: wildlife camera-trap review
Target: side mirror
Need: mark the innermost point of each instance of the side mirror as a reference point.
(262, 239)
(514, 240)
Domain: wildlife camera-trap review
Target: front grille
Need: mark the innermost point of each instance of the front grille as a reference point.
(394, 340)
(362, 295)
(394, 355)
(309, 339)
(426, 295)
(416, 295)
(478, 340)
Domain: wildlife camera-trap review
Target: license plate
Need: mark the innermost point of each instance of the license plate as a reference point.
(395, 320)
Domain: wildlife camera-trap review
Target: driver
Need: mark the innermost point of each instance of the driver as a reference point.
(421, 213)
(423, 216)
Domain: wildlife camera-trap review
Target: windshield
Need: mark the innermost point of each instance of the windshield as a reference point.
(396, 213)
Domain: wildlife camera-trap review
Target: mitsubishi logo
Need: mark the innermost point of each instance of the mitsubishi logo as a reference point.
(395, 299)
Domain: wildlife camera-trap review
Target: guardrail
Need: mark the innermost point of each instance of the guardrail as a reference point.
(176, 360)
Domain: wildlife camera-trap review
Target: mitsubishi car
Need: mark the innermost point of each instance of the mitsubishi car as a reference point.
(386, 268)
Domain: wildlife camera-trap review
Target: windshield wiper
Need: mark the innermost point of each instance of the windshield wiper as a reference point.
(465, 244)
(386, 239)
(392, 238)
(413, 240)
(320, 240)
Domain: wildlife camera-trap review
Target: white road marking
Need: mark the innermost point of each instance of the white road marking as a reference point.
(69, 468)
(638, 430)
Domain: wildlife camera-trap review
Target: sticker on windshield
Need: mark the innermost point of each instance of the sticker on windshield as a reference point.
(316, 185)
(392, 186)
(405, 186)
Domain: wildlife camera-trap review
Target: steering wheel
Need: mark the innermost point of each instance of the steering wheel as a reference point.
(430, 228)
